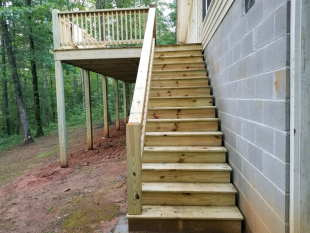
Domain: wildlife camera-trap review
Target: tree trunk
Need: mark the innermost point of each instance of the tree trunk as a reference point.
(17, 120)
(45, 96)
(5, 92)
(36, 97)
(75, 90)
(18, 92)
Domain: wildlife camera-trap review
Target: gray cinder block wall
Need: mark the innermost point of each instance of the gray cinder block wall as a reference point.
(248, 63)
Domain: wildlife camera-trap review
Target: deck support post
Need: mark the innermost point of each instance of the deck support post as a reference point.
(105, 105)
(117, 126)
(130, 95)
(61, 114)
(125, 103)
(89, 125)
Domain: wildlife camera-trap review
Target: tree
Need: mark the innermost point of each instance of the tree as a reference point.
(19, 98)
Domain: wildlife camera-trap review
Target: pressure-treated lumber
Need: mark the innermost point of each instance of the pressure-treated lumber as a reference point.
(179, 66)
(161, 54)
(89, 125)
(117, 125)
(180, 91)
(61, 114)
(179, 59)
(181, 101)
(125, 102)
(134, 183)
(105, 106)
(178, 73)
(179, 82)
(182, 125)
(178, 47)
(181, 112)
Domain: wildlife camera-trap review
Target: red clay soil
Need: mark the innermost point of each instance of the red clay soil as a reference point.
(88, 196)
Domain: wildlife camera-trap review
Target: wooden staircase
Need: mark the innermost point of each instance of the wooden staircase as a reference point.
(185, 178)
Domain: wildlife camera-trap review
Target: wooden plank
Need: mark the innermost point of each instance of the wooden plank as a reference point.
(185, 82)
(181, 126)
(105, 106)
(190, 212)
(179, 66)
(181, 112)
(61, 114)
(89, 125)
(179, 73)
(180, 101)
(125, 102)
(93, 54)
(106, 10)
(178, 47)
(173, 60)
(180, 91)
(177, 53)
(134, 167)
(117, 125)
(206, 167)
(183, 139)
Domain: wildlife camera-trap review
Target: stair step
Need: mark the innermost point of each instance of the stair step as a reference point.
(184, 125)
(179, 82)
(194, 219)
(184, 154)
(176, 47)
(181, 112)
(190, 194)
(181, 101)
(178, 59)
(180, 91)
(179, 73)
(178, 66)
(186, 172)
(192, 52)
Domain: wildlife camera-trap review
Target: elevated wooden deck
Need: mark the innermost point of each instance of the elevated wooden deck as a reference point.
(117, 62)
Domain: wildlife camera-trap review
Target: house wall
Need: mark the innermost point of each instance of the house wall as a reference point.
(248, 62)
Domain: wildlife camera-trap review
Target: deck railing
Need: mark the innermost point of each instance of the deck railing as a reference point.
(99, 28)
(135, 129)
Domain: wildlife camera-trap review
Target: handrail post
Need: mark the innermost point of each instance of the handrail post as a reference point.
(134, 167)
(153, 5)
(56, 29)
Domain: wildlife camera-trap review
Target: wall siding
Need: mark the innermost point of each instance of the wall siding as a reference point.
(248, 63)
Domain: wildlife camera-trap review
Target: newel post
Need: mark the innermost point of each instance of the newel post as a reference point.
(56, 29)
(134, 167)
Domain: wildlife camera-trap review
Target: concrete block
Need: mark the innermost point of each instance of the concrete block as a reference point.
(242, 27)
(237, 52)
(276, 54)
(233, 36)
(248, 44)
(256, 15)
(264, 138)
(255, 63)
(282, 84)
(265, 32)
(276, 171)
(256, 202)
(248, 131)
(237, 89)
(271, 5)
(255, 156)
(265, 86)
(281, 205)
(277, 114)
(242, 147)
(229, 57)
(242, 69)
(237, 12)
(233, 72)
(225, 75)
(282, 19)
(282, 146)
(242, 109)
(255, 110)
(264, 187)
(248, 88)
(238, 127)
(247, 172)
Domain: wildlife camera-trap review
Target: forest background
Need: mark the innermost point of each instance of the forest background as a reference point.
(28, 96)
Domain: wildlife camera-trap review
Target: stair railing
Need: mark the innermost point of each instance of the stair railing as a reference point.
(99, 28)
(135, 129)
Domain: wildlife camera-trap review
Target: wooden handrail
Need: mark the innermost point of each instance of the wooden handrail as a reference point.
(99, 28)
(135, 129)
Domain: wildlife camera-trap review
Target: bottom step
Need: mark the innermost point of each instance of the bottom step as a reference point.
(193, 219)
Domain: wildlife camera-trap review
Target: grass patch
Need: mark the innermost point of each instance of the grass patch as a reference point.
(47, 153)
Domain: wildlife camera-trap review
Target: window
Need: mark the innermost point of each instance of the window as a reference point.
(248, 4)
(205, 6)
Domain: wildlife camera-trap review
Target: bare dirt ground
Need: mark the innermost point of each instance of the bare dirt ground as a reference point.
(36, 195)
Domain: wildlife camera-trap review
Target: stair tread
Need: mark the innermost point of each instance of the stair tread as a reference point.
(179, 56)
(189, 187)
(184, 134)
(181, 108)
(184, 87)
(186, 167)
(178, 70)
(181, 78)
(185, 149)
(182, 120)
(189, 212)
(181, 97)
(182, 63)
